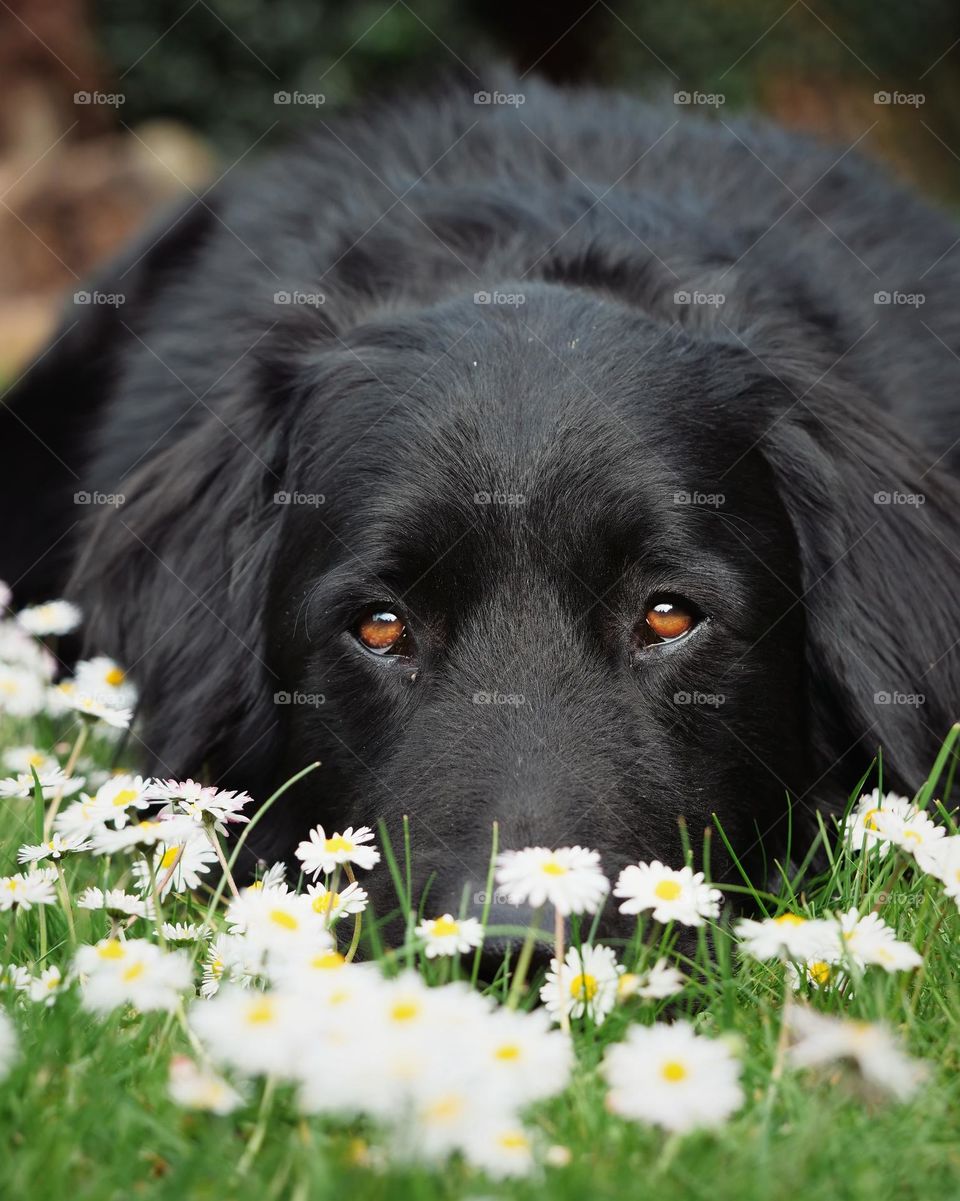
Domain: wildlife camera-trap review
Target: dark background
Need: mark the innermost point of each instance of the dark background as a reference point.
(198, 79)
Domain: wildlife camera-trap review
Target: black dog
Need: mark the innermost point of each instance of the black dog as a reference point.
(558, 463)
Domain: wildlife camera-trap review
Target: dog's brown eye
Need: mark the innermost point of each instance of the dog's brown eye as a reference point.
(383, 632)
(666, 620)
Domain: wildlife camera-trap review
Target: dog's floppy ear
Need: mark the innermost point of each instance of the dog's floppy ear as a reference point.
(879, 539)
(49, 415)
(174, 585)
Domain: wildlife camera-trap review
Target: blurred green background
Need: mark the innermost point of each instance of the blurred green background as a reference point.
(198, 77)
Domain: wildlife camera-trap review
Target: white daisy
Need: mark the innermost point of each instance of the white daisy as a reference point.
(22, 692)
(53, 848)
(8, 1045)
(941, 859)
(499, 1148)
(277, 923)
(586, 982)
(819, 1038)
(137, 972)
(116, 902)
(168, 830)
(6, 595)
(177, 866)
(869, 940)
(45, 988)
(673, 895)
(107, 681)
(21, 759)
(27, 890)
(183, 931)
(195, 1087)
(275, 877)
(53, 618)
(51, 782)
(252, 1031)
(118, 796)
(226, 959)
(521, 1053)
(321, 853)
(447, 935)
(670, 1076)
(788, 936)
(335, 905)
(660, 981)
(95, 709)
(881, 819)
(569, 878)
(15, 976)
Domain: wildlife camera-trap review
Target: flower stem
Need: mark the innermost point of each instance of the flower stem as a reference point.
(67, 771)
(260, 1130)
(523, 962)
(215, 842)
(559, 953)
(66, 903)
(357, 920)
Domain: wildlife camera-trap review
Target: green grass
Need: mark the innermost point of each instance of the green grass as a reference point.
(85, 1116)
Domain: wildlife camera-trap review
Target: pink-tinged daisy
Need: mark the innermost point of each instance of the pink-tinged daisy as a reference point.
(569, 879)
(586, 982)
(448, 935)
(322, 853)
(205, 804)
(673, 895)
(670, 1076)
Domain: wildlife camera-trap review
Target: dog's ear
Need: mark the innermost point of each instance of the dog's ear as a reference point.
(879, 537)
(174, 583)
(48, 416)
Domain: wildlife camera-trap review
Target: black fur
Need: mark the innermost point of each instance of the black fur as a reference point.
(588, 408)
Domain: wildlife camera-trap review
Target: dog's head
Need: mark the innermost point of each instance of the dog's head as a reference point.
(560, 565)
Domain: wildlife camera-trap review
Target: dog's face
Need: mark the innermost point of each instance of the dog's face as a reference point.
(534, 594)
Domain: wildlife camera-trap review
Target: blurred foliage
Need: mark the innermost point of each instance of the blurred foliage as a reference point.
(216, 64)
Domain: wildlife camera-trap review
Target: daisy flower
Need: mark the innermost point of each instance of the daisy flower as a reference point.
(661, 981)
(115, 902)
(183, 931)
(51, 782)
(673, 895)
(136, 972)
(177, 866)
(788, 936)
(942, 861)
(195, 1087)
(252, 1031)
(45, 988)
(21, 759)
(53, 618)
(106, 680)
(322, 854)
(869, 940)
(22, 692)
(205, 804)
(447, 936)
(335, 905)
(53, 848)
(570, 878)
(879, 820)
(95, 709)
(115, 798)
(6, 595)
(276, 922)
(501, 1149)
(672, 1077)
(819, 1039)
(27, 890)
(171, 831)
(227, 958)
(274, 877)
(585, 983)
(8, 1045)
(16, 977)
(528, 1060)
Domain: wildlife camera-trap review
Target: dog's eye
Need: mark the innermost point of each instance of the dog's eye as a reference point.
(667, 618)
(383, 632)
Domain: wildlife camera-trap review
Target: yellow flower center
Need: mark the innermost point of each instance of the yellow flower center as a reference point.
(583, 987)
(514, 1141)
(673, 1071)
(169, 858)
(111, 949)
(508, 1052)
(552, 868)
(789, 919)
(35, 760)
(445, 926)
(326, 902)
(445, 1110)
(327, 961)
(668, 890)
(115, 676)
(405, 1011)
(820, 972)
(338, 845)
(133, 972)
(125, 797)
(283, 919)
(261, 1012)
(913, 835)
(12, 884)
(868, 819)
